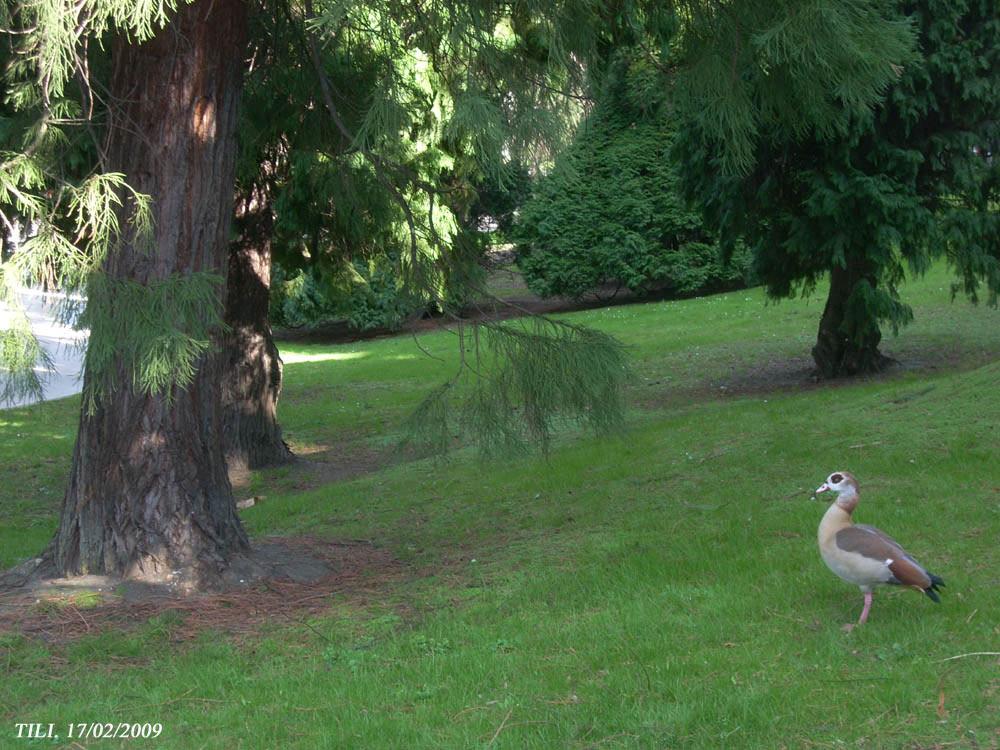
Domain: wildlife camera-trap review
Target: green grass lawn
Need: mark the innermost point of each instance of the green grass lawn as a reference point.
(660, 589)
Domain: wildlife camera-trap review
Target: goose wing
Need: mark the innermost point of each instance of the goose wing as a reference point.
(875, 544)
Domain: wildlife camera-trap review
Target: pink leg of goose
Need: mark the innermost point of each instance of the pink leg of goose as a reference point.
(868, 606)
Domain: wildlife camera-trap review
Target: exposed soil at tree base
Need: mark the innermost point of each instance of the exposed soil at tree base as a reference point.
(301, 576)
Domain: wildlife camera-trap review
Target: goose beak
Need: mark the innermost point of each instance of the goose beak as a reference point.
(822, 488)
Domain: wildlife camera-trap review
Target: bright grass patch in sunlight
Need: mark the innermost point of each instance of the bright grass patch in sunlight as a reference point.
(293, 357)
(661, 589)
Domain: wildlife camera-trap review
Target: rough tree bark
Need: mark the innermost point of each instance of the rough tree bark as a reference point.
(149, 496)
(846, 344)
(6, 246)
(252, 382)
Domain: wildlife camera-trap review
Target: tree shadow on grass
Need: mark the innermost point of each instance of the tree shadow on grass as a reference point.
(779, 373)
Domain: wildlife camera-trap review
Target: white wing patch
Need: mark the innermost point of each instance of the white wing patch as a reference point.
(889, 561)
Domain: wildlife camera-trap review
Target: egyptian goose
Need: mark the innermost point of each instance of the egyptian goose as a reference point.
(861, 554)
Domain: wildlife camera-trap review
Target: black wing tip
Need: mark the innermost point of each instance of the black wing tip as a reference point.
(932, 590)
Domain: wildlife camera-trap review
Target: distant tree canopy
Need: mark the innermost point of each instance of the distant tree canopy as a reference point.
(888, 192)
(610, 214)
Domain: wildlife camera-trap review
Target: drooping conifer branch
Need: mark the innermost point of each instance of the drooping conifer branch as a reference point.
(540, 370)
(148, 336)
(518, 382)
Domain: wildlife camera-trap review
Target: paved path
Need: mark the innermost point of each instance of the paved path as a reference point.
(64, 345)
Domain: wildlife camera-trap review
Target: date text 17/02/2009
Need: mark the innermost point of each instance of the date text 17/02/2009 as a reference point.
(96, 730)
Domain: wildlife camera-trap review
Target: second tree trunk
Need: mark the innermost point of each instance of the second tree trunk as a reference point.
(848, 339)
(252, 383)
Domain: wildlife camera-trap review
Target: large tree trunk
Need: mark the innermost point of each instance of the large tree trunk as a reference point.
(252, 383)
(149, 496)
(849, 336)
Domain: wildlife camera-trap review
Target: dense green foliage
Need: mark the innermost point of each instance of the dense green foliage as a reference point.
(468, 98)
(483, 83)
(367, 294)
(159, 348)
(519, 382)
(335, 225)
(342, 222)
(893, 189)
(610, 214)
(659, 591)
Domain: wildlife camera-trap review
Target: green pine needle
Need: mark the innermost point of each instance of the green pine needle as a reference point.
(148, 337)
(519, 382)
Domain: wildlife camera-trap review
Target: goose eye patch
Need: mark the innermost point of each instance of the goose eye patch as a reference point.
(836, 478)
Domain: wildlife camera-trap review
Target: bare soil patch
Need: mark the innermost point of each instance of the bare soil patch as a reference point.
(797, 374)
(338, 465)
(300, 575)
(314, 469)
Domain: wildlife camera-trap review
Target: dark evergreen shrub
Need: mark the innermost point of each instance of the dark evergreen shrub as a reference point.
(610, 216)
(367, 295)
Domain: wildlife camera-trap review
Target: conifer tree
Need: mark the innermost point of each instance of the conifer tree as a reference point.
(885, 194)
(306, 199)
(276, 111)
(149, 495)
(610, 214)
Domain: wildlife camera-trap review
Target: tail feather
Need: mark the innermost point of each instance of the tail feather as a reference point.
(932, 590)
